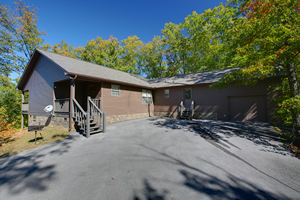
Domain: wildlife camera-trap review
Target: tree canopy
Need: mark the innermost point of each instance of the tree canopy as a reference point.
(19, 37)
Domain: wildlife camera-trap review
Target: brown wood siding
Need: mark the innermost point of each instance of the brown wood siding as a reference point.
(62, 89)
(170, 104)
(40, 85)
(209, 100)
(129, 101)
(248, 108)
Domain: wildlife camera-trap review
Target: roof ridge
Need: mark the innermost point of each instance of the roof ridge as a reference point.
(194, 73)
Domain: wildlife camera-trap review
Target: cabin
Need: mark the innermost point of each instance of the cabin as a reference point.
(89, 96)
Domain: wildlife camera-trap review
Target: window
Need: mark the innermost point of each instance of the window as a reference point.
(115, 90)
(188, 94)
(167, 93)
(146, 97)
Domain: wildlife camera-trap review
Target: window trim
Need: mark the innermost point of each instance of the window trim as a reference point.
(146, 96)
(167, 95)
(115, 90)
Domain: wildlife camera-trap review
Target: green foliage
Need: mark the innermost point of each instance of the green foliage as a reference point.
(102, 52)
(266, 40)
(10, 102)
(151, 59)
(210, 47)
(176, 51)
(130, 54)
(63, 48)
(19, 37)
(286, 102)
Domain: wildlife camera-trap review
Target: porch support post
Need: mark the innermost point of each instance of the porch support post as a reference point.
(22, 122)
(104, 122)
(88, 125)
(72, 96)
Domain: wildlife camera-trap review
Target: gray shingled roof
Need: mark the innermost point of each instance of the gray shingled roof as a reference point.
(81, 68)
(191, 79)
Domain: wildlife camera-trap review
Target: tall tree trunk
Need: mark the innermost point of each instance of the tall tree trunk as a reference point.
(294, 87)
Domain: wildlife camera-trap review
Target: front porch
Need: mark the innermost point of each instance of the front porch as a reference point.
(80, 100)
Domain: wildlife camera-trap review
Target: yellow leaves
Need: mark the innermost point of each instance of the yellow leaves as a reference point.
(5, 128)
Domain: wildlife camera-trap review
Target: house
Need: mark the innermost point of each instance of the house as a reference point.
(80, 90)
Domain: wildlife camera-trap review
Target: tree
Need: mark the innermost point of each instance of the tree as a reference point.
(176, 51)
(130, 54)
(19, 37)
(151, 59)
(267, 42)
(206, 33)
(10, 102)
(102, 52)
(63, 48)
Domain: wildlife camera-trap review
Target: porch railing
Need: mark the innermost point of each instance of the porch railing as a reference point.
(62, 105)
(192, 110)
(81, 117)
(180, 109)
(94, 111)
(25, 108)
(97, 102)
(90, 121)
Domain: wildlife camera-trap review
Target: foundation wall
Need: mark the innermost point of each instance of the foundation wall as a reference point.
(119, 118)
(34, 120)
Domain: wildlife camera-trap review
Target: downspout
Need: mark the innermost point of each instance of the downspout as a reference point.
(71, 101)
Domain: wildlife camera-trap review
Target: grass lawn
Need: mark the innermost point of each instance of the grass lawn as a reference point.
(23, 140)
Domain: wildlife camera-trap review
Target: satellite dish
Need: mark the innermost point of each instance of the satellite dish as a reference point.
(48, 108)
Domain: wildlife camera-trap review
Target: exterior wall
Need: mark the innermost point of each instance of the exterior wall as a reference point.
(62, 89)
(126, 106)
(40, 85)
(210, 103)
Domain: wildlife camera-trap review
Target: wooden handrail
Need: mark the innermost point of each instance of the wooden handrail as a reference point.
(78, 105)
(91, 101)
(64, 99)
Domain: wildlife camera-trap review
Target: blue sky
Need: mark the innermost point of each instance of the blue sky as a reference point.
(80, 21)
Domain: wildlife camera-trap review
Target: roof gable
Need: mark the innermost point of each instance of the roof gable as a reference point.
(82, 68)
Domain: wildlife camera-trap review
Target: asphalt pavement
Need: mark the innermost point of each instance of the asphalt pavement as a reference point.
(157, 158)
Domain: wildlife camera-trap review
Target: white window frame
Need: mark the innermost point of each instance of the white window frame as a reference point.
(146, 96)
(115, 90)
(167, 93)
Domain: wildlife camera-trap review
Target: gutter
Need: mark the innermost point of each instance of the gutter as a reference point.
(107, 80)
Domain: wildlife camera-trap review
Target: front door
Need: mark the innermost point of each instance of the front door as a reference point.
(187, 97)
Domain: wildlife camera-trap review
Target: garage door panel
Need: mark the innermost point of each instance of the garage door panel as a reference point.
(248, 108)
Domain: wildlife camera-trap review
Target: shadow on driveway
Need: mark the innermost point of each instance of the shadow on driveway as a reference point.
(203, 183)
(261, 134)
(25, 171)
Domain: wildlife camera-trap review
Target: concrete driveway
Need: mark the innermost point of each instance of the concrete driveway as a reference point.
(157, 158)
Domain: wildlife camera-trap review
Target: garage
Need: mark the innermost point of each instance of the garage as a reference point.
(248, 108)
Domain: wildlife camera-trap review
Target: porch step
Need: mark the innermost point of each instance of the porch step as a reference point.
(96, 131)
(186, 114)
(94, 128)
